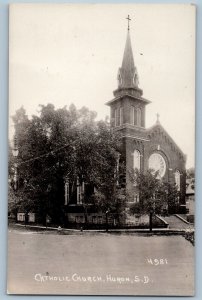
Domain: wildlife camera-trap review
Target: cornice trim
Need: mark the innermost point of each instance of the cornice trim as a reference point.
(128, 95)
(136, 138)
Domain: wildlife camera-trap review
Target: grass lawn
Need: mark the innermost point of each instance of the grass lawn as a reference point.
(99, 263)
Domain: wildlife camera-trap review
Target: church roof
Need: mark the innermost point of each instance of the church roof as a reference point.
(127, 76)
(158, 126)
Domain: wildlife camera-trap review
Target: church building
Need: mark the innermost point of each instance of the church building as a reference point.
(143, 148)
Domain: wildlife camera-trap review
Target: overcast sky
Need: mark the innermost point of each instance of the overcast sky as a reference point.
(63, 54)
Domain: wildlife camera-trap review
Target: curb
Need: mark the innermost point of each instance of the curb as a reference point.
(154, 230)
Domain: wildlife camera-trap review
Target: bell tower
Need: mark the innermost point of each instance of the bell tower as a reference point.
(127, 113)
(128, 106)
(142, 148)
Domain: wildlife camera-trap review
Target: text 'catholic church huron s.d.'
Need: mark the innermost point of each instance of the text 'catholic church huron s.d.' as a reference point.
(144, 148)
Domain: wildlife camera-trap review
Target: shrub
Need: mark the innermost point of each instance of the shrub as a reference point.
(189, 235)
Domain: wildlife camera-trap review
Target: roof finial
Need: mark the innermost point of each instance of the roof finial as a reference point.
(128, 18)
(157, 118)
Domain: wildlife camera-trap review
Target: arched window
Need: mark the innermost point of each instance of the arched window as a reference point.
(138, 117)
(116, 117)
(80, 191)
(135, 116)
(66, 191)
(132, 112)
(136, 160)
(177, 179)
(121, 115)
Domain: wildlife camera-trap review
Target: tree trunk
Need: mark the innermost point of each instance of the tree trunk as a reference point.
(107, 221)
(150, 221)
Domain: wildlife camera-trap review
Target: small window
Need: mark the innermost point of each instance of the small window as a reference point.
(177, 180)
(136, 160)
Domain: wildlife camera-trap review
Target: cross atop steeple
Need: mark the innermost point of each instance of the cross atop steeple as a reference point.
(128, 18)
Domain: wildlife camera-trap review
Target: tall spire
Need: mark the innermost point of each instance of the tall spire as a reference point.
(127, 75)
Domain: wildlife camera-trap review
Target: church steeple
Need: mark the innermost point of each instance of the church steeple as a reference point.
(127, 75)
(128, 105)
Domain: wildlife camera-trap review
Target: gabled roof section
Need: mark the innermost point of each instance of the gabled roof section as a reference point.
(158, 127)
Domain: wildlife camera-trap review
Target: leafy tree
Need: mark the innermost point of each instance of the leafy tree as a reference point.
(21, 124)
(108, 178)
(60, 144)
(96, 164)
(155, 195)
